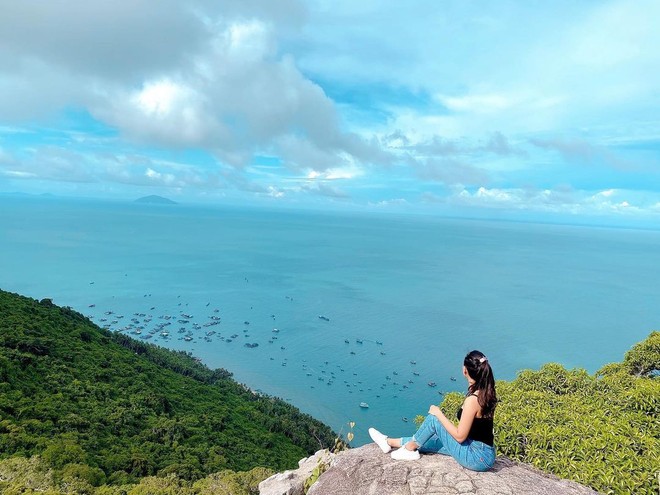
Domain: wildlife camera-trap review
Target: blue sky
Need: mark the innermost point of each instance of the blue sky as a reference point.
(520, 109)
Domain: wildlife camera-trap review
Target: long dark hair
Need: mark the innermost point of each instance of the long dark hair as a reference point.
(479, 369)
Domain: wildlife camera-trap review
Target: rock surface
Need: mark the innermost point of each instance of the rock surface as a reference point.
(367, 471)
(292, 482)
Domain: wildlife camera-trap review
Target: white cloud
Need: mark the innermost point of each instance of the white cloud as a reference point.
(342, 173)
(575, 202)
(204, 77)
(389, 203)
(19, 174)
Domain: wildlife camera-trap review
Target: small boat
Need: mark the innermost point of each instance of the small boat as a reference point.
(431, 384)
(324, 318)
(378, 342)
(364, 405)
(359, 341)
(404, 419)
(452, 378)
(413, 362)
(347, 341)
(415, 373)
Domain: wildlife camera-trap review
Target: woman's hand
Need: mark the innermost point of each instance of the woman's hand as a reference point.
(435, 410)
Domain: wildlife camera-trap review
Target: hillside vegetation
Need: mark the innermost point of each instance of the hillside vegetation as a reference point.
(84, 410)
(600, 430)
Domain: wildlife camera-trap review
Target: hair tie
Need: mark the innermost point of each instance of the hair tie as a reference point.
(483, 359)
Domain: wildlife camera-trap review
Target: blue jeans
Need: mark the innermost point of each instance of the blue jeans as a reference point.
(432, 437)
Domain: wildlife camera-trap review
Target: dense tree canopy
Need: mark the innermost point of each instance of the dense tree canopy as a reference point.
(102, 407)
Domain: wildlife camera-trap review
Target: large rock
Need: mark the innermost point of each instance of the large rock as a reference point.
(367, 471)
(292, 482)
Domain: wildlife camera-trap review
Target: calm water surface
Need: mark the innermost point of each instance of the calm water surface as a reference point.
(411, 295)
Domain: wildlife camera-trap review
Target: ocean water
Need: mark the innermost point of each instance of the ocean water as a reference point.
(403, 298)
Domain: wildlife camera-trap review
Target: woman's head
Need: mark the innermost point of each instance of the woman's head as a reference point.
(478, 369)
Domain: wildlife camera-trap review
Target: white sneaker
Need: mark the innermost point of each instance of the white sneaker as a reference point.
(380, 439)
(403, 454)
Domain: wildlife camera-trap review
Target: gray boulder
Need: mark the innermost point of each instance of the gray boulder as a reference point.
(292, 482)
(367, 471)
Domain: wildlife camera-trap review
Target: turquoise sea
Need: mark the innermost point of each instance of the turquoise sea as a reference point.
(402, 298)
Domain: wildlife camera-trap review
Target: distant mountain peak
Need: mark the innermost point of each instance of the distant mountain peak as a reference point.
(153, 199)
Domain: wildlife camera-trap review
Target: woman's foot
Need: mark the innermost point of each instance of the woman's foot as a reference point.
(403, 454)
(380, 440)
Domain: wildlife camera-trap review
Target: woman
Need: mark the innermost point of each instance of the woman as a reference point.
(471, 442)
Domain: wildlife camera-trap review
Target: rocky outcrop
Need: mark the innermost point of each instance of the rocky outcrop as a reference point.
(293, 482)
(367, 471)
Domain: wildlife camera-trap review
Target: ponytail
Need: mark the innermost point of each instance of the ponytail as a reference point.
(479, 369)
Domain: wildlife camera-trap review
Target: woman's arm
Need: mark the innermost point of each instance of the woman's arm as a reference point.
(460, 433)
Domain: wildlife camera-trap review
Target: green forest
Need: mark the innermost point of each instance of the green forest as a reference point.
(85, 410)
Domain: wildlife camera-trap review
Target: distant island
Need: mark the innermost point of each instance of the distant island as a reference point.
(155, 200)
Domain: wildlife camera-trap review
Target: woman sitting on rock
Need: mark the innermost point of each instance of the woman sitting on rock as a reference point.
(471, 442)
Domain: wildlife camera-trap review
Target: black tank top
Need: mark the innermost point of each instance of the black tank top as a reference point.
(481, 429)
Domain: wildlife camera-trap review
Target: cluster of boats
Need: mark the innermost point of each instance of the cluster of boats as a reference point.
(141, 324)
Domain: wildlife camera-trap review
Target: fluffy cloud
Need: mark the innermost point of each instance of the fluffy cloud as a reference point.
(175, 75)
(55, 164)
(561, 200)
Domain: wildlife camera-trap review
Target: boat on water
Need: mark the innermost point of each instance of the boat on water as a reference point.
(324, 318)
(364, 405)
(432, 384)
(404, 419)
(452, 378)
